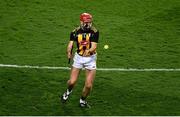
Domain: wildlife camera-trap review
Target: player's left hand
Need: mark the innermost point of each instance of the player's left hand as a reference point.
(86, 53)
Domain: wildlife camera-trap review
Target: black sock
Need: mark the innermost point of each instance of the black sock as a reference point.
(83, 98)
(69, 89)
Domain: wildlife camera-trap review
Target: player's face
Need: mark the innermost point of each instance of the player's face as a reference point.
(86, 25)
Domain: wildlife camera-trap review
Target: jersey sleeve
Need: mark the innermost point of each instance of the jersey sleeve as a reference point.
(95, 37)
(72, 36)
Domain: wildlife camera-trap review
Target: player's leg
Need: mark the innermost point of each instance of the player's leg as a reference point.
(90, 75)
(73, 78)
(71, 83)
(77, 65)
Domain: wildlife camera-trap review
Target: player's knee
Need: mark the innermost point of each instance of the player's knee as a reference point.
(71, 82)
(88, 85)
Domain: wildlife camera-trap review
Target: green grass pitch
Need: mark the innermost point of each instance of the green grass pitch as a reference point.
(140, 34)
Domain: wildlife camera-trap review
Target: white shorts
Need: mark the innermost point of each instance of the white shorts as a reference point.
(84, 62)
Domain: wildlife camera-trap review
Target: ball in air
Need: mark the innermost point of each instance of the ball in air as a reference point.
(106, 46)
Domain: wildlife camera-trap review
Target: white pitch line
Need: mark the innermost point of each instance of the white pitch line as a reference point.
(33, 67)
(99, 69)
(136, 69)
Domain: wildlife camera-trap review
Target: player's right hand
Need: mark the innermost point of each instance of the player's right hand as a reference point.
(69, 55)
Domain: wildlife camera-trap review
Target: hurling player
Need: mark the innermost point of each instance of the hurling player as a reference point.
(86, 38)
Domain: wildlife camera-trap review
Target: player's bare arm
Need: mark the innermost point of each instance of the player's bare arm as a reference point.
(91, 50)
(69, 49)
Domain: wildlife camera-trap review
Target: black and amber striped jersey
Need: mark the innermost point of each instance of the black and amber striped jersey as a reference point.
(83, 38)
